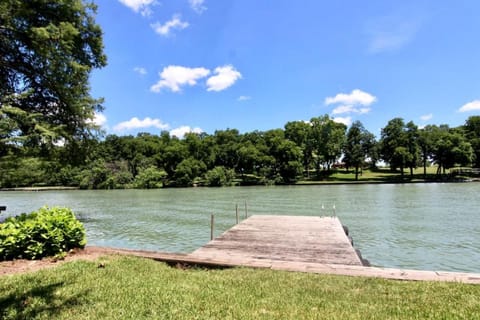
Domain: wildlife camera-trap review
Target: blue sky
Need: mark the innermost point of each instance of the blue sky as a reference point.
(205, 65)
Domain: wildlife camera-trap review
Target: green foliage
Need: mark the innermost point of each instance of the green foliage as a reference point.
(219, 176)
(46, 232)
(21, 172)
(47, 51)
(278, 156)
(150, 178)
(187, 171)
(358, 146)
(472, 132)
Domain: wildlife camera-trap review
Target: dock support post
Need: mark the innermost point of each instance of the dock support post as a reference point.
(246, 210)
(212, 222)
(236, 211)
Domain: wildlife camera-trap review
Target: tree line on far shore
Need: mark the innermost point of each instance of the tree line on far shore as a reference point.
(300, 151)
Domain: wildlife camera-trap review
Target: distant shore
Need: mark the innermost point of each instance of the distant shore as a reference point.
(299, 183)
(53, 188)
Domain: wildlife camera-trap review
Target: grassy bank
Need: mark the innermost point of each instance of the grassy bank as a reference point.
(381, 175)
(134, 288)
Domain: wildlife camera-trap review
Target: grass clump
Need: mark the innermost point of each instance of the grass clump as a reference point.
(135, 288)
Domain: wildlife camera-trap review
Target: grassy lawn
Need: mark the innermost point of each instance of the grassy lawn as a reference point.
(384, 175)
(134, 288)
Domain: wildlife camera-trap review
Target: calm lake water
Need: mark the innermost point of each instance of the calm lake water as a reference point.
(417, 226)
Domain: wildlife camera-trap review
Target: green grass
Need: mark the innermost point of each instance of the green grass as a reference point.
(382, 175)
(134, 288)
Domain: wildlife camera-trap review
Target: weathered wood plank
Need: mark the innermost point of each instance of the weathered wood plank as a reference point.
(283, 238)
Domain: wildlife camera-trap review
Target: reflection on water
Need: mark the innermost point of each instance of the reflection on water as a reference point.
(420, 226)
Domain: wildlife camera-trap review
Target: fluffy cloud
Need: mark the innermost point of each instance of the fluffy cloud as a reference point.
(426, 117)
(140, 70)
(173, 24)
(357, 101)
(471, 106)
(99, 119)
(224, 77)
(355, 98)
(197, 6)
(345, 120)
(136, 123)
(141, 6)
(181, 131)
(174, 77)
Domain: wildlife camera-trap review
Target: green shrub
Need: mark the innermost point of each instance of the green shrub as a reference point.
(46, 232)
(150, 178)
(219, 176)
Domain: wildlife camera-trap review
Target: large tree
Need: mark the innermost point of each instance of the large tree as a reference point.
(358, 146)
(327, 138)
(399, 145)
(47, 50)
(472, 131)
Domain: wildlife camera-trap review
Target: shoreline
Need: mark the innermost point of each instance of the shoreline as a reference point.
(299, 183)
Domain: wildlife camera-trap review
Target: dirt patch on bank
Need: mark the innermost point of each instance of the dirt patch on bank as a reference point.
(22, 265)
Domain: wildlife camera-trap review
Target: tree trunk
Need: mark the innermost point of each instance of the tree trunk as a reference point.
(356, 173)
(424, 168)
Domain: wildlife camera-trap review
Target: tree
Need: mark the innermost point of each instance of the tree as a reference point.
(327, 139)
(286, 155)
(450, 148)
(300, 133)
(399, 145)
(47, 51)
(425, 143)
(472, 132)
(413, 148)
(359, 145)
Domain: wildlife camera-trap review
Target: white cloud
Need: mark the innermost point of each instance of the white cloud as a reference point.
(140, 6)
(244, 98)
(99, 119)
(343, 109)
(356, 97)
(426, 117)
(140, 70)
(136, 123)
(173, 24)
(181, 131)
(345, 120)
(173, 77)
(197, 6)
(471, 106)
(350, 109)
(224, 77)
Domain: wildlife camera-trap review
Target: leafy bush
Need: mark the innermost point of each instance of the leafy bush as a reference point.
(150, 178)
(46, 232)
(219, 176)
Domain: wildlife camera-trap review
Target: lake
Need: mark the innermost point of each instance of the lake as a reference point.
(417, 226)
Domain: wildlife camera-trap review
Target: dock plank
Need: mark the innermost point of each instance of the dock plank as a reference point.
(283, 238)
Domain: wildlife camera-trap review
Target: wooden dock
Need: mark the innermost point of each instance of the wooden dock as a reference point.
(300, 244)
(286, 239)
